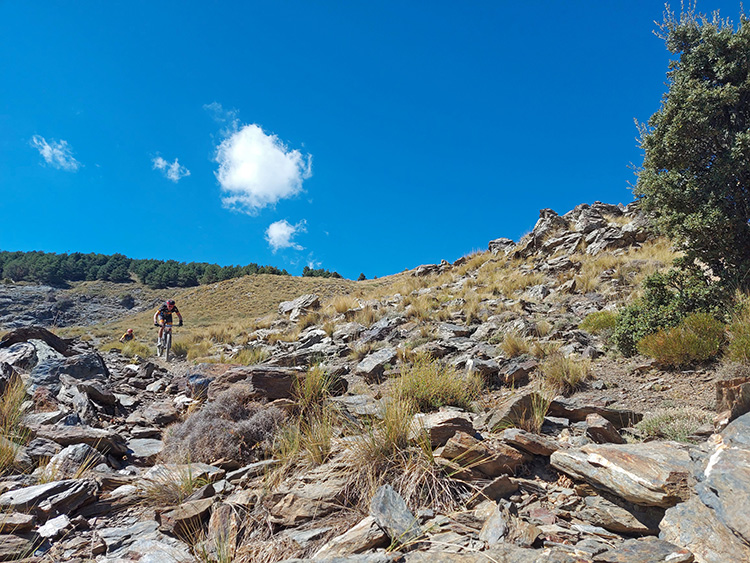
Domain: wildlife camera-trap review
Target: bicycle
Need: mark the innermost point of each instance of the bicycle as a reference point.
(164, 344)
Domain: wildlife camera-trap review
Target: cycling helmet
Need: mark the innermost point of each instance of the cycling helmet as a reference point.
(170, 302)
(130, 331)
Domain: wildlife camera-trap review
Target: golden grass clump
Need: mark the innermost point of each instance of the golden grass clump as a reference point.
(129, 349)
(698, 338)
(513, 344)
(343, 303)
(366, 316)
(738, 331)
(599, 322)
(197, 350)
(251, 356)
(170, 487)
(565, 374)
(429, 384)
(310, 319)
(12, 433)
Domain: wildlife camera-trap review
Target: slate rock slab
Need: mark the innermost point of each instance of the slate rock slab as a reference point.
(693, 525)
(82, 366)
(567, 408)
(107, 442)
(441, 425)
(364, 536)
(373, 366)
(391, 513)
(649, 474)
(61, 497)
(646, 550)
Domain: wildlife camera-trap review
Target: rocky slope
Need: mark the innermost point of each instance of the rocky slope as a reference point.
(94, 482)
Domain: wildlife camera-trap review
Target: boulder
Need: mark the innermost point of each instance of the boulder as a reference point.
(648, 474)
(299, 306)
(185, 520)
(61, 345)
(143, 451)
(513, 411)
(16, 522)
(621, 517)
(21, 355)
(733, 397)
(501, 246)
(16, 547)
(72, 461)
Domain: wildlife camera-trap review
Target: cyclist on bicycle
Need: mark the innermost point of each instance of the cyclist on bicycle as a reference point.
(164, 315)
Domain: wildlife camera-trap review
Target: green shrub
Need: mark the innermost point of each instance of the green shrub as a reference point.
(697, 339)
(430, 384)
(668, 298)
(674, 423)
(600, 322)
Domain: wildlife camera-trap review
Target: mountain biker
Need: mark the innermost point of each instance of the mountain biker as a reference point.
(164, 315)
(128, 336)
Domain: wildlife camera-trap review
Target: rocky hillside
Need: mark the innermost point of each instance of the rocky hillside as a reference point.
(459, 414)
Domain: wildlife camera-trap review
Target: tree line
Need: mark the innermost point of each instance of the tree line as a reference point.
(59, 269)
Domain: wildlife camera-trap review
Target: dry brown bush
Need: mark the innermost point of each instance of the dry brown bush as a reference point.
(232, 426)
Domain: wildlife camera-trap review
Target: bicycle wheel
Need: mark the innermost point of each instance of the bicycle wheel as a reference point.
(167, 345)
(159, 346)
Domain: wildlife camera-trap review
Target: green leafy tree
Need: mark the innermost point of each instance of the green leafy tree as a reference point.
(695, 178)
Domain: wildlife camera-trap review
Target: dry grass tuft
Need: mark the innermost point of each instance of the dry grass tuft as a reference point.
(429, 384)
(565, 374)
(514, 345)
(697, 338)
(12, 433)
(170, 487)
(674, 423)
(232, 426)
(251, 356)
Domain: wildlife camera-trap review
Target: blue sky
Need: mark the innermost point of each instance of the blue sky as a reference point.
(354, 136)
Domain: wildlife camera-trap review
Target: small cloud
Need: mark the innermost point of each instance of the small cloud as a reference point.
(55, 153)
(280, 233)
(174, 171)
(219, 114)
(257, 169)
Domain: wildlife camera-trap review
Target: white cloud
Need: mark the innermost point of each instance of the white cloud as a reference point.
(280, 233)
(219, 114)
(56, 153)
(257, 169)
(174, 171)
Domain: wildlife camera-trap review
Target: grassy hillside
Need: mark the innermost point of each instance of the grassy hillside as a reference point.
(234, 303)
